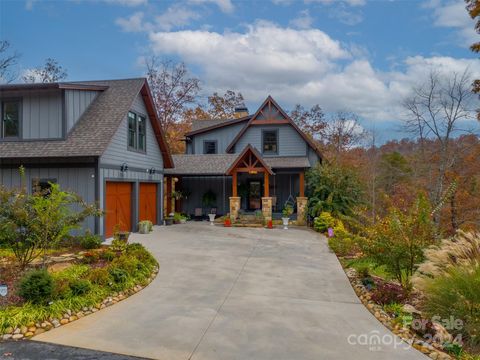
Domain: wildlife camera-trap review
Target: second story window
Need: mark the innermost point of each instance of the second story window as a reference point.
(210, 147)
(270, 141)
(137, 132)
(10, 126)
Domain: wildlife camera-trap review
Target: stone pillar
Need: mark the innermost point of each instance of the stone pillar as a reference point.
(301, 210)
(267, 208)
(234, 207)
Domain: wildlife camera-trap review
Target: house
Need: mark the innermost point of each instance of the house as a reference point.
(99, 139)
(249, 163)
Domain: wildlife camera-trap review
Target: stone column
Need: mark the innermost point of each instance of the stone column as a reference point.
(301, 210)
(267, 208)
(234, 207)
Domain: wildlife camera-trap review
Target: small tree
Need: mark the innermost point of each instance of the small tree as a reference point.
(32, 224)
(50, 72)
(398, 240)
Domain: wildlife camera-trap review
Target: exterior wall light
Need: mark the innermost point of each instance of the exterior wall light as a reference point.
(124, 167)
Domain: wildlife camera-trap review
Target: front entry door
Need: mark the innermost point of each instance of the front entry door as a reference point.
(255, 195)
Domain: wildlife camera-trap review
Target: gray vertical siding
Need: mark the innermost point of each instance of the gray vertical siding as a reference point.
(117, 152)
(290, 143)
(223, 136)
(42, 115)
(78, 180)
(312, 157)
(76, 102)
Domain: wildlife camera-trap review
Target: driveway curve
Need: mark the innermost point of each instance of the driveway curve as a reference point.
(238, 293)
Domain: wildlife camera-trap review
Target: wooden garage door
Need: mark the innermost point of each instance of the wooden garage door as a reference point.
(118, 207)
(147, 206)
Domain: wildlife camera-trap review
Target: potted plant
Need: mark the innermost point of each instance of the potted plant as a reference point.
(211, 217)
(169, 219)
(145, 226)
(177, 195)
(227, 222)
(286, 212)
(179, 218)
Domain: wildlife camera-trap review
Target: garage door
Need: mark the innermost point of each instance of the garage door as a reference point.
(147, 207)
(118, 207)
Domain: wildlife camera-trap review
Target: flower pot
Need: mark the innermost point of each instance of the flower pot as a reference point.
(285, 222)
(211, 218)
(143, 228)
(123, 236)
(269, 224)
(168, 221)
(227, 222)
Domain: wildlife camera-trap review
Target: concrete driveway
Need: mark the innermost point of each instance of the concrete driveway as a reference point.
(238, 293)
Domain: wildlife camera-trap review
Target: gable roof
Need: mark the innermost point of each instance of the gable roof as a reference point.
(249, 148)
(201, 126)
(260, 118)
(93, 132)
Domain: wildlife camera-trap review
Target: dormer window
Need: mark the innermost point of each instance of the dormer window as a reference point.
(10, 126)
(270, 141)
(137, 130)
(210, 147)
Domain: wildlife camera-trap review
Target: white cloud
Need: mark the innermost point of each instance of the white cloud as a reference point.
(29, 4)
(300, 66)
(345, 16)
(174, 17)
(225, 5)
(454, 15)
(134, 23)
(303, 21)
(338, 2)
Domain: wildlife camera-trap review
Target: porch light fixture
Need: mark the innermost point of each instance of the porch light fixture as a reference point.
(253, 172)
(124, 167)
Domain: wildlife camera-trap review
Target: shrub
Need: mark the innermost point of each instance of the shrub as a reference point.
(127, 263)
(119, 276)
(343, 243)
(90, 241)
(140, 253)
(80, 287)
(387, 293)
(61, 289)
(324, 221)
(37, 286)
(100, 277)
(398, 240)
(107, 255)
(90, 257)
(118, 245)
(456, 293)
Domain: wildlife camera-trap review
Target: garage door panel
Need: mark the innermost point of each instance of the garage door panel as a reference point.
(147, 206)
(118, 209)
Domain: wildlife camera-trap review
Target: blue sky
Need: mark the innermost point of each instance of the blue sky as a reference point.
(357, 55)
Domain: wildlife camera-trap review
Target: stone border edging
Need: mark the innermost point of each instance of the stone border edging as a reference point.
(431, 350)
(32, 329)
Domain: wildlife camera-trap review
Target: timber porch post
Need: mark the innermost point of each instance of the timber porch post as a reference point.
(301, 200)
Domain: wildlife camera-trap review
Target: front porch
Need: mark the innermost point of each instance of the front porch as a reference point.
(248, 186)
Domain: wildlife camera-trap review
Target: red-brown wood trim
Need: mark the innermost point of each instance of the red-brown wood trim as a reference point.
(234, 183)
(302, 183)
(266, 184)
(241, 157)
(169, 194)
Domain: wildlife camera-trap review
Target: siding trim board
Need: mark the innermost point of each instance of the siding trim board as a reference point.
(130, 168)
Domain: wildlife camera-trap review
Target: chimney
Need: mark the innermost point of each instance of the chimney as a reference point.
(241, 111)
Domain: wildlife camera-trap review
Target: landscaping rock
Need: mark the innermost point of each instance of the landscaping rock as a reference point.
(16, 331)
(55, 323)
(17, 336)
(23, 329)
(7, 337)
(9, 330)
(29, 334)
(410, 309)
(64, 321)
(39, 331)
(73, 318)
(32, 329)
(441, 334)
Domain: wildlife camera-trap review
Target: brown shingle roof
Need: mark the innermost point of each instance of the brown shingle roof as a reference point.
(92, 133)
(218, 164)
(199, 126)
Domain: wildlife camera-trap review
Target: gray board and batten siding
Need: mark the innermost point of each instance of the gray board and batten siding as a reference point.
(224, 136)
(76, 102)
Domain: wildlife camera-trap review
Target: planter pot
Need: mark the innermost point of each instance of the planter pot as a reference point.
(285, 222)
(227, 222)
(211, 218)
(123, 236)
(143, 228)
(168, 221)
(183, 221)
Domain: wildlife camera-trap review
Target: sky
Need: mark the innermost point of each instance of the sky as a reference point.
(353, 55)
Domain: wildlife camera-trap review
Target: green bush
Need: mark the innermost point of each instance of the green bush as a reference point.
(107, 255)
(90, 241)
(139, 252)
(119, 276)
(100, 277)
(343, 243)
(324, 221)
(80, 287)
(61, 289)
(37, 286)
(456, 293)
(127, 263)
(118, 245)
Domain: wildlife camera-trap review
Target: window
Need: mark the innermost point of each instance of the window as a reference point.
(210, 147)
(42, 186)
(10, 119)
(137, 132)
(270, 141)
